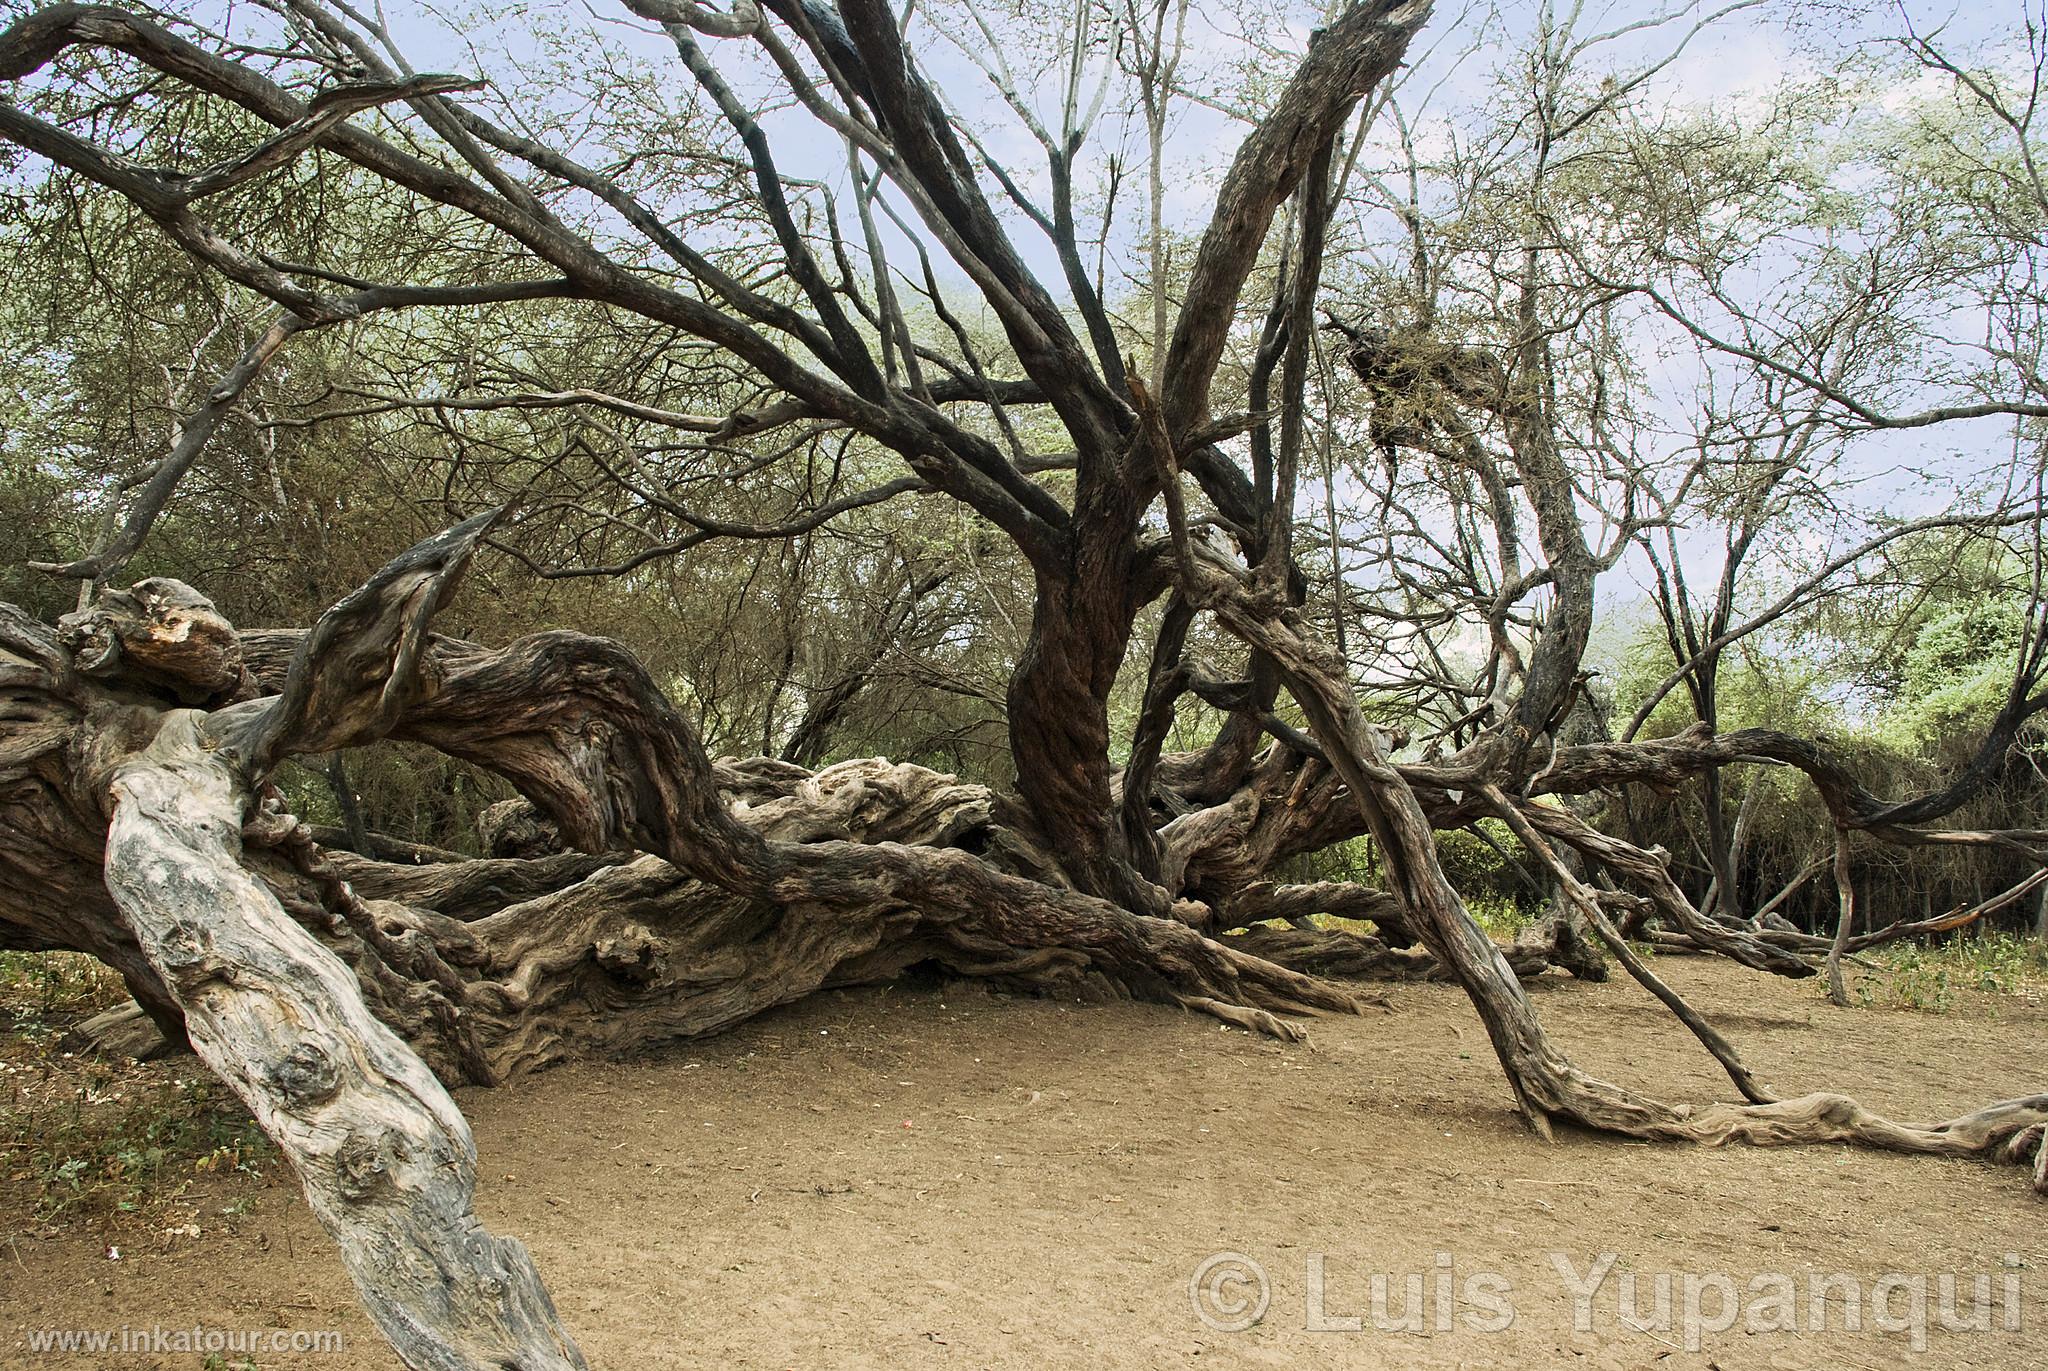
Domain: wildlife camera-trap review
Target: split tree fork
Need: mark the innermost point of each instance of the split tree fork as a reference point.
(336, 993)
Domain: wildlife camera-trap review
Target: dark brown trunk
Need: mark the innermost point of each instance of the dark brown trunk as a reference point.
(1081, 627)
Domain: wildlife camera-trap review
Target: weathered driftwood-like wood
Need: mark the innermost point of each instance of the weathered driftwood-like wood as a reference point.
(126, 1030)
(1578, 894)
(331, 990)
(1647, 872)
(1361, 957)
(307, 980)
(383, 1154)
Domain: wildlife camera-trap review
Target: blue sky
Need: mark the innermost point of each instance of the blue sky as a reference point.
(1457, 64)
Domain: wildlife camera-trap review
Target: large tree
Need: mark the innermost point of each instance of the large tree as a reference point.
(709, 318)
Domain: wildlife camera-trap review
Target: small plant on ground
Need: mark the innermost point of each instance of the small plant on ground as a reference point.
(81, 1134)
(1933, 977)
(126, 1146)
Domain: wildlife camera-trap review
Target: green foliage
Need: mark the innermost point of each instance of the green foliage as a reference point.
(84, 1135)
(1786, 690)
(1503, 919)
(1899, 674)
(1935, 977)
(1957, 672)
(1477, 869)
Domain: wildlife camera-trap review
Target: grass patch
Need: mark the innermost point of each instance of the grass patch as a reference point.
(124, 1146)
(1503, 918)
(1935, 977)
(82, 1135)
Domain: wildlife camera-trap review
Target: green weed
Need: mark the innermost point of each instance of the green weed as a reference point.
(84, 1135)
(126, 1146)
(1934, 977)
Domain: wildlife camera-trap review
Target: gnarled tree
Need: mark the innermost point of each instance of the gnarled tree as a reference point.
(338, 992)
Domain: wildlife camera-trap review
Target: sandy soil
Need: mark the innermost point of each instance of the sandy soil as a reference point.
(933, 1177)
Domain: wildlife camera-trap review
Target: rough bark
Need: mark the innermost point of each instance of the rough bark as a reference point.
(381, 1151)
(1547, 1085)
(338, 992)
(331, 989)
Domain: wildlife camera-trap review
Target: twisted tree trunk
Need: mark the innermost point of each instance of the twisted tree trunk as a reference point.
(337, 993)
(1547, 1084)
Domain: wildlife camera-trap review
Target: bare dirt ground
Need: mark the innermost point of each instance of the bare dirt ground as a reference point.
(934, 1177)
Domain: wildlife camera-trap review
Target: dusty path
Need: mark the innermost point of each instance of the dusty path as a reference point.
(921, 1178)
